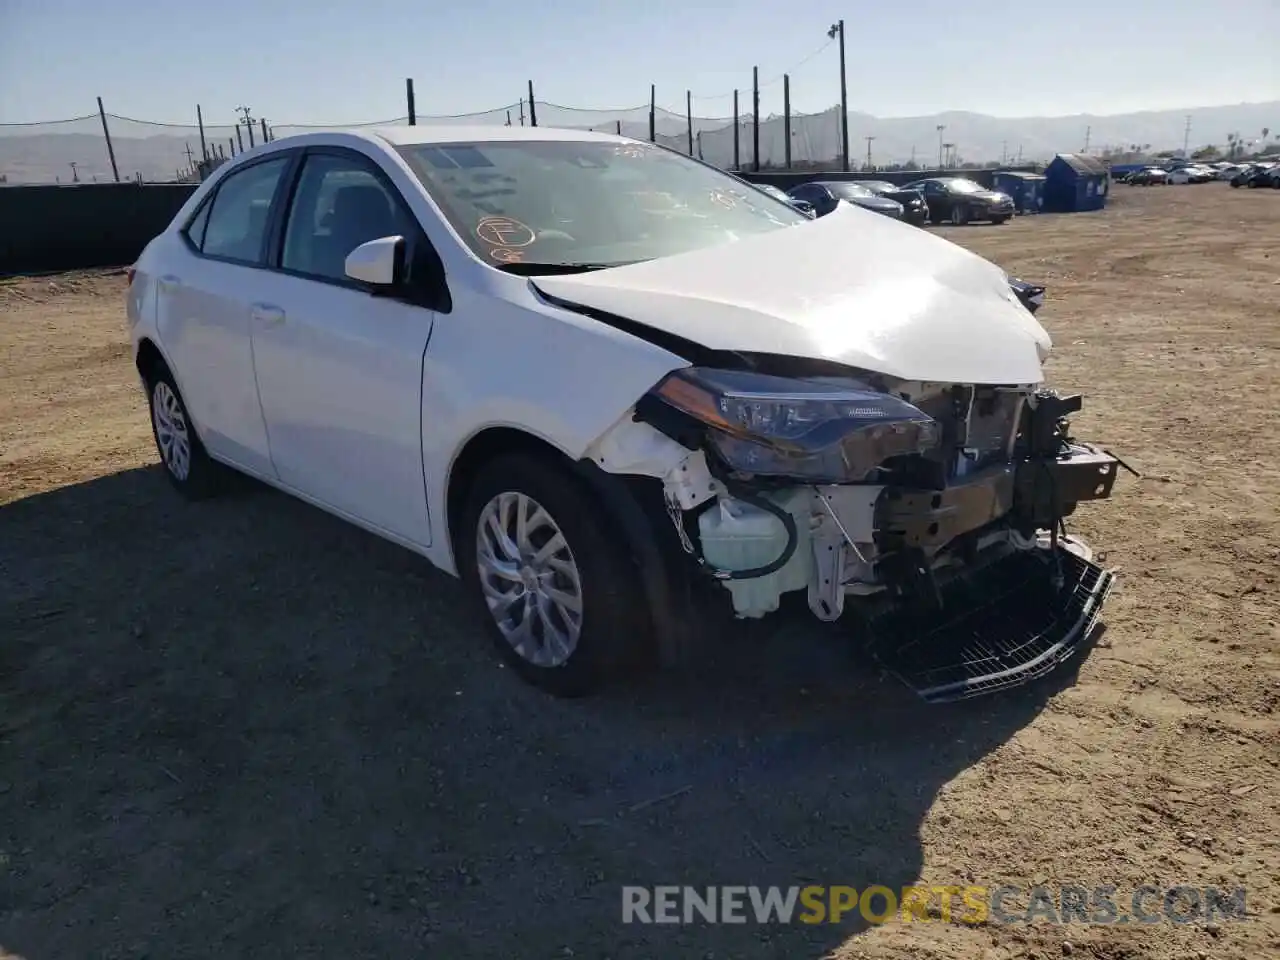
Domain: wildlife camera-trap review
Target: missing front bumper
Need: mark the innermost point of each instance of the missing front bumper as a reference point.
(1001, 626)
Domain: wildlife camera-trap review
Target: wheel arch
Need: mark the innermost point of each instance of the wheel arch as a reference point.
(632, 505)
(149, 360)
(481, 447)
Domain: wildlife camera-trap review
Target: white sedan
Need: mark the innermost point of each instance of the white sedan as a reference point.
(605, 414)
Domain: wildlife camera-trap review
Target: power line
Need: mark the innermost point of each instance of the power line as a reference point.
(773, 80)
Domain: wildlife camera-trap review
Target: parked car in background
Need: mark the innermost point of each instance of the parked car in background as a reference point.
(826, 195)
(914, 208)
(1148, 177)
(1192, 174)
(1030, 295)
(958, 200)
(1254, 175)
(779, 194)
(617, 421)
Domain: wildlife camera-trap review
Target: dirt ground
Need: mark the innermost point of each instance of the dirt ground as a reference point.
(245, 729)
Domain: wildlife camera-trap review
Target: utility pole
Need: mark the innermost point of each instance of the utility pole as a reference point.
(1186, 137)
(737, 129)
(837, 30)
(1004, 152)
(75, 177)
(1088, 132)
(950, 155)
(755, 119)
(940, 127)
(913, 156)
(522, 111)
(191, 159)
(869, 166)
(786, 119)
(247, 120)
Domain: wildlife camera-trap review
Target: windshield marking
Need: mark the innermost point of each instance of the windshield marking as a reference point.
(505, 232)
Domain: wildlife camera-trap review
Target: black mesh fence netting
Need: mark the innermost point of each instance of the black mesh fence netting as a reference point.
(75, 149)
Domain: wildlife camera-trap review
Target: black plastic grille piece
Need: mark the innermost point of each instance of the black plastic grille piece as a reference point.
(1000, 626)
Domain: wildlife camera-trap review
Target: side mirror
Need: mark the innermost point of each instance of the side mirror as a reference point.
(379, 262)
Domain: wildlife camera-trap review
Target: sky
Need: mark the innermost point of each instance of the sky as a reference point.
(326, 62)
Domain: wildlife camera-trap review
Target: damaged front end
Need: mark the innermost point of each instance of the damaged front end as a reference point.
(933, 513)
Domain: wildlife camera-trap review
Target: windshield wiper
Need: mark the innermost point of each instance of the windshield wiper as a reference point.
(527, 268)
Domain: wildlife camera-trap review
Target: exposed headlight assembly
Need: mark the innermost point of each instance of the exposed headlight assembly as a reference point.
(822, 429)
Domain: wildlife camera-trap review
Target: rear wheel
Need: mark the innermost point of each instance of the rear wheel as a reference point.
(186, 462)
(562, 602)
(999, 220)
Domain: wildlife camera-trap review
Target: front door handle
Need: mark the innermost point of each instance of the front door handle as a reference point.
(267, 313)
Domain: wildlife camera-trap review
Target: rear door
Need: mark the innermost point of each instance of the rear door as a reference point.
(204, 307)
(339, 366)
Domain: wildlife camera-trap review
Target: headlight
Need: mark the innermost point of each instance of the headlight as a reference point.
(824, 429)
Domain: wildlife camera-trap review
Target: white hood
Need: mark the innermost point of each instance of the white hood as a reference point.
(852, 287)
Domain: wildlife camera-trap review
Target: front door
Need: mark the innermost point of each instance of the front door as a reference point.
(339, 369)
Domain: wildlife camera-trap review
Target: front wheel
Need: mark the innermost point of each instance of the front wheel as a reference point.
(562, 602)
(999, 220)
(959, 215)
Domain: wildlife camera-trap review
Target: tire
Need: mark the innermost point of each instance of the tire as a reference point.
(959, 215)
(564, 652)
(182, 455)
(999, 220)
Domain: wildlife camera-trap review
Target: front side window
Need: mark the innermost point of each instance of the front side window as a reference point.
(962, 185)
(237, 220)
(339, 204)
(588, 202)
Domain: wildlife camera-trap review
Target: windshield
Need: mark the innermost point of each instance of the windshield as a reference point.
(848, 191)
(601, 203)
(961, 185)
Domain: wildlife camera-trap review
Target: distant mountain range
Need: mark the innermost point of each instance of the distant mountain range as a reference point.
(35, 156)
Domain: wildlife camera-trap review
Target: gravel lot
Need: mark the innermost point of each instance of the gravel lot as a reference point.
(245, 729)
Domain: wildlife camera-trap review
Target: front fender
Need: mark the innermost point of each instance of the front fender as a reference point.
(525, 364)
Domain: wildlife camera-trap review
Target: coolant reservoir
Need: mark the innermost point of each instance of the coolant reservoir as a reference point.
(738, 536)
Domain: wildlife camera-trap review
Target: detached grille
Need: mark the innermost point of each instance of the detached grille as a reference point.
(1002, 626)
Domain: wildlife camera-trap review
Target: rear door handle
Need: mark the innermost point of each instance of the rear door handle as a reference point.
(266, 313)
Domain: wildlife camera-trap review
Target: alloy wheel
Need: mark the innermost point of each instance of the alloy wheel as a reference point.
(172, 436)
(529, 578)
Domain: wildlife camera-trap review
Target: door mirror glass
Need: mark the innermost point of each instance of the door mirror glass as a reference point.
(379, 262)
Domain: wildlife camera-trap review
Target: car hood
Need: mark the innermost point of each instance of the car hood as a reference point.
(852, 287)
(991, 196)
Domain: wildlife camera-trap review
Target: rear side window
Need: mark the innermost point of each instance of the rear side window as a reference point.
(236, 223)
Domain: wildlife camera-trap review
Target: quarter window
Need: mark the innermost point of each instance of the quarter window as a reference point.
(237, 219)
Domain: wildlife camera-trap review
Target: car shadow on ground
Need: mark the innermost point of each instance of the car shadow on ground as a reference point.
(243, 727)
